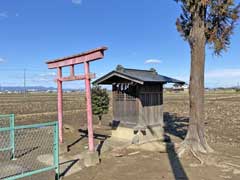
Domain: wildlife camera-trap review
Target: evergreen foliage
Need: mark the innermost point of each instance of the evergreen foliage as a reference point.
(219, 18)
(100, 101)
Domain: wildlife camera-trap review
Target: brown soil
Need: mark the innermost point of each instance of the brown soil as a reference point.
(222, 123)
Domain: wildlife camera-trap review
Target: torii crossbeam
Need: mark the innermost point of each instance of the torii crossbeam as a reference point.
(83, 58)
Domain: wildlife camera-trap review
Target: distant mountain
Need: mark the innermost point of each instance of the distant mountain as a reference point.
(31, 88)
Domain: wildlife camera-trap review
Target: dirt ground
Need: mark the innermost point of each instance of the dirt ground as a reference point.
(222, 129)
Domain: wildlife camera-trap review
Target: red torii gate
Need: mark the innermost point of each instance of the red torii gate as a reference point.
(70, 61)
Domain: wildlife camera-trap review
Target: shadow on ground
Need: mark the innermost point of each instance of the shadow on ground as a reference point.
(176, 165)
(70, 163)
(176, 126)
(84, 134)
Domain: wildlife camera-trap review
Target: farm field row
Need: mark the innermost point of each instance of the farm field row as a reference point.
(221, 110)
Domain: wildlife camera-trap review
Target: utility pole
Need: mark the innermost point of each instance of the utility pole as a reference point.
(24, 82)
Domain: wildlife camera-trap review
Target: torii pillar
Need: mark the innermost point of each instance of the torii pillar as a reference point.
(83, 58)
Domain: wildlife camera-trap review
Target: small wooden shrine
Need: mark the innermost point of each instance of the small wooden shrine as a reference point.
(137, 96)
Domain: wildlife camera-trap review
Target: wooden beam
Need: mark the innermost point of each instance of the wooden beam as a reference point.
(72, 73)
(89, 108)
(60, 106)
(77, 59)
(79, 77)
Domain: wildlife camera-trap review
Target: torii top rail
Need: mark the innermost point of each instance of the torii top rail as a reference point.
(71, 61)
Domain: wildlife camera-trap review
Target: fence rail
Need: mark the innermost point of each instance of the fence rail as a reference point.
(7, 143)
(34, 150)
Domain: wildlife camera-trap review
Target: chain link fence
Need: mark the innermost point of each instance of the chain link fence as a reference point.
(34, 150)
(7, 138)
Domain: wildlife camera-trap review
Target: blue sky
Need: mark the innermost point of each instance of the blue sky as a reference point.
(136, 32)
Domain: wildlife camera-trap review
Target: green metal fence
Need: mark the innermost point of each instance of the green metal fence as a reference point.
(34, 148)
(7, 139)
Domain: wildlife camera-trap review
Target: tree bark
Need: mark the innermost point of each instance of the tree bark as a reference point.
(195, 138)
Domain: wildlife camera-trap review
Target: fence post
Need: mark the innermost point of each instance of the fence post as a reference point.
(12, 135)
(56, 151)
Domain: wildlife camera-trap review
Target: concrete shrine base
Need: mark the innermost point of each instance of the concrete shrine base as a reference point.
(90, 159)
(139, 137)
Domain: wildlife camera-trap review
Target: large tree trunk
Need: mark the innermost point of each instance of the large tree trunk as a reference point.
(195, 139)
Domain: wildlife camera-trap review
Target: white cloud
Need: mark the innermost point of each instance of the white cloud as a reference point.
(49, 74)
(78, 2)
(47, 77)
(223, 73)
(2, 60)
(40, 80)
(227, 77)
(3, 15)
(153, 61)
